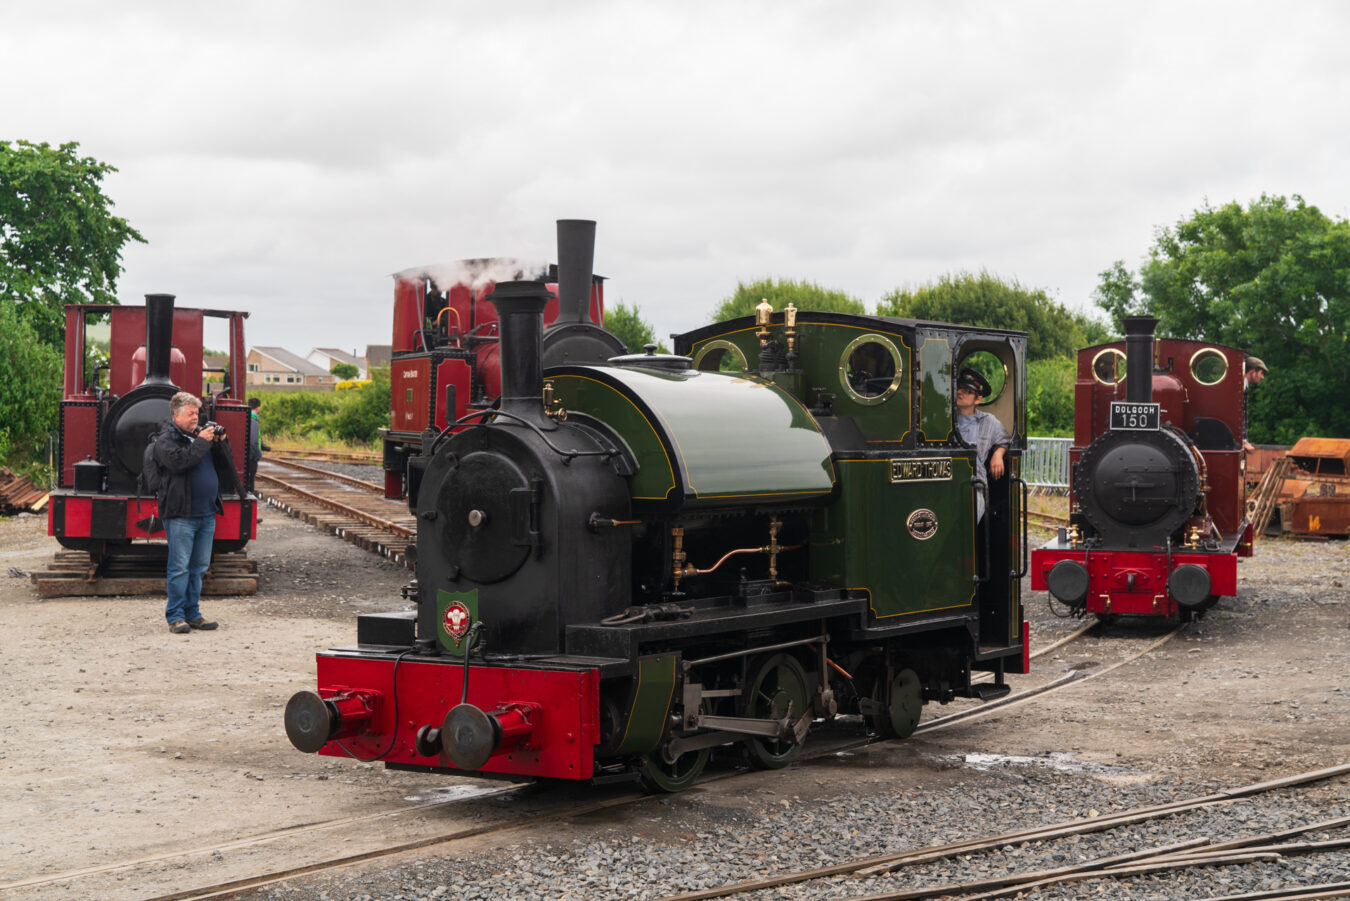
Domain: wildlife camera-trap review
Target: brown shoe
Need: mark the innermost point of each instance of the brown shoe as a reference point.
(179, 628)
(202, 623)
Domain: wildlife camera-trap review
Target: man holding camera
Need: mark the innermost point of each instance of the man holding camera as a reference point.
(193, 464)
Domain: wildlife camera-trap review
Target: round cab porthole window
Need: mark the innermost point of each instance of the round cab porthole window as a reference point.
(720, 356)
(1108, 367)
(869, 371)
(1209, 366)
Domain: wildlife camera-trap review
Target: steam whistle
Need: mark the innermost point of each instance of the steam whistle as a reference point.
(763, 312)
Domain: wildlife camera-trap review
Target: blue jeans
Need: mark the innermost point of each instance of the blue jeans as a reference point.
(189, 556)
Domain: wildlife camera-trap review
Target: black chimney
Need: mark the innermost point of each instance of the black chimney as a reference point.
(1139, 359)
(158, 338)
(520, 317)
(576, 263)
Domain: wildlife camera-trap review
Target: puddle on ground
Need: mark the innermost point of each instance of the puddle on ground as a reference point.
(443, 793)
(1065, 763)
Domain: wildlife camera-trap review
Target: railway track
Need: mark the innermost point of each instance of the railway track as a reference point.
(1047, 521)
(350, 508)
(1201, 852)
(364, 458)
(435, 826)
(421, 826)
(425, 825)
(1072, 677)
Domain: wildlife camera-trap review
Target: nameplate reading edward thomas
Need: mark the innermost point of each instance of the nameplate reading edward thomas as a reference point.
(921, 470)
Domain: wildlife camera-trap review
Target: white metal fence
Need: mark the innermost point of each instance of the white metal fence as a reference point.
(1045, 465)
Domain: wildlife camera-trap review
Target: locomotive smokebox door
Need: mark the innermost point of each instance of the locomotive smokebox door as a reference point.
(482, 518)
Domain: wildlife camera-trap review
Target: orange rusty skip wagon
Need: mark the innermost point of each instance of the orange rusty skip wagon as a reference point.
(1315, 497)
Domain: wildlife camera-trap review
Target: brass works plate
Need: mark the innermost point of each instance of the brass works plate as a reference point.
(922, 524)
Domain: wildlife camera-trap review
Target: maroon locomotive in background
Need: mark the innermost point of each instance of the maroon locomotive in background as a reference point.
(446, 353)
(1157, 517)
(100, 503)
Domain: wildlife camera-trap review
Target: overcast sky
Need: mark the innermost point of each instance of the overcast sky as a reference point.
(286, 158)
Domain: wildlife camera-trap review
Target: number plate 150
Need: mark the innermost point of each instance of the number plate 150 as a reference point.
(1125, 415)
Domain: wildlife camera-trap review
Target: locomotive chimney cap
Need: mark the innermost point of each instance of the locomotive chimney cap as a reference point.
(518, 290)
(1140, 325)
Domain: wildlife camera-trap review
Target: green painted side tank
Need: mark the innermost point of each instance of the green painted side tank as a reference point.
(902, 531)
(704, 439)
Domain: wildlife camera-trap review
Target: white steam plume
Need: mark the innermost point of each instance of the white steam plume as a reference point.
(476, 273)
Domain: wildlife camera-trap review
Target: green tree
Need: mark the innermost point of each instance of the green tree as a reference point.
(59, 242)
(1118, 292)
(30, 390)
(1272, 278)
(779, 293)
(628, 325)
(1050, 385)
(345, 370)
(989, 302)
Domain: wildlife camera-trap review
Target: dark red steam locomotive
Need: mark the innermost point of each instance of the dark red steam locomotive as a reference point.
(100, 504)
(1157, 518)
(446, 355)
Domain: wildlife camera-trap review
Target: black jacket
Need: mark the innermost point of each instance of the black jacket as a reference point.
(178, 454)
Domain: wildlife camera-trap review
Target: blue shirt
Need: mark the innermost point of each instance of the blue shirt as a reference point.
(203, 486)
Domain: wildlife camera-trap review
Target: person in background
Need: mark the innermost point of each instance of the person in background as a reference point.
(193, 465)
(982, 430)
(255, 443)
(1255, 374)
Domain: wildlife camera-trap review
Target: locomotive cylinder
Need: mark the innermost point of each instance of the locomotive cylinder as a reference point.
(1139, 358)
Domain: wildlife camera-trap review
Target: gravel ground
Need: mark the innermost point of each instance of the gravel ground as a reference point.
(1256, 690)
(793, 821)
(782, 834)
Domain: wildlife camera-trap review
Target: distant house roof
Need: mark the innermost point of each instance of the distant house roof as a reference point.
(379, 354)
(288, 360)
(340, 356)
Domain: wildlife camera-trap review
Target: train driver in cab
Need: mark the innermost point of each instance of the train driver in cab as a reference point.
(982, 430)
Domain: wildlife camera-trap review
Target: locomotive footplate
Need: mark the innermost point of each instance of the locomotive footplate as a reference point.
(625, 641)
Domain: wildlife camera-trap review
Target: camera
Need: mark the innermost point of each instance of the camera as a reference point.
(220, 430)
